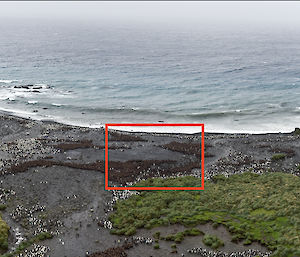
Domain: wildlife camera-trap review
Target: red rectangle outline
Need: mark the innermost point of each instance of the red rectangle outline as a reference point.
(158, 125)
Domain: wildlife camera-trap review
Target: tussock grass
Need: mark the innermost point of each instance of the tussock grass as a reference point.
(265, 208)
(4, 231)
(276, 157)
(213, 241)
(25, 244)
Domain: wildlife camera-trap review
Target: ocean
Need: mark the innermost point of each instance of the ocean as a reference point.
(231, 78)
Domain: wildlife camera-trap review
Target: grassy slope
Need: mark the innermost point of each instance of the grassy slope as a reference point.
(262, 208)
(4, 230)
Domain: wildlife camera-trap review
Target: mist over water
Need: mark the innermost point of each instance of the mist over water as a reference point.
(231, 78)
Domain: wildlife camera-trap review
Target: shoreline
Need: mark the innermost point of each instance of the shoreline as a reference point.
(61, 167)
(129, 129)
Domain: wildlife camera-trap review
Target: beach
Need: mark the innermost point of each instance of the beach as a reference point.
(64, 80)
(53, 178)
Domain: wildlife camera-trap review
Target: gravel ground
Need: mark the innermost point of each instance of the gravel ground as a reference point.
(62, 191)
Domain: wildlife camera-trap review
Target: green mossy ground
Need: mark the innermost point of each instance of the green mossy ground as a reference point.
(212, 241)
(177, 238)
(262, 208)
(4, 230)
(276, 157)
(25, 244)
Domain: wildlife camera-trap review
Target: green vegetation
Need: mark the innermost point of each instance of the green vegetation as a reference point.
(25, 244)
(247, 242)
(212, 241)
(156, 235)
(156, 246)
(265, 208)
(4, 230)
(276, 157)
(193, 232)
(297, 131)
(177, 238)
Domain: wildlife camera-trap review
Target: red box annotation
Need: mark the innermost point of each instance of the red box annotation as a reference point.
(106, 184)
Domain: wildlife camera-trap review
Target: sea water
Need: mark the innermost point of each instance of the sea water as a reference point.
(233, 78)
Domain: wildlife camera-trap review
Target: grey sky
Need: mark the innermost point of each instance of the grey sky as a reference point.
(271, 12)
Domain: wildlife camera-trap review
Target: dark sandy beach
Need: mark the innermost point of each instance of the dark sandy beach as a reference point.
(53, 176)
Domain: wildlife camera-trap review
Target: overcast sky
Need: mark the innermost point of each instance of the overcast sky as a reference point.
(270, 12)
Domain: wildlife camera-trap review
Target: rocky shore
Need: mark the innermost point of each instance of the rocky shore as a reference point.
(52, 180)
